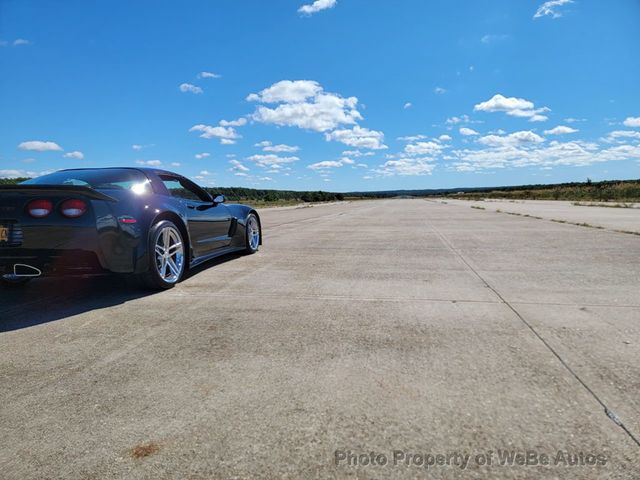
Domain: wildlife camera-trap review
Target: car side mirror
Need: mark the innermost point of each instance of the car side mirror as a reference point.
(219, 199)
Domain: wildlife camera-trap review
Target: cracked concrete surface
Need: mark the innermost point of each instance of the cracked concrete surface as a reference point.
(363, 326)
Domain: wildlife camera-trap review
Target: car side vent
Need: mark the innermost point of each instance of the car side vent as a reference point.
(233, 227)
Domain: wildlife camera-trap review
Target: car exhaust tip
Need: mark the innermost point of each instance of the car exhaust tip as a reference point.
(21, 270)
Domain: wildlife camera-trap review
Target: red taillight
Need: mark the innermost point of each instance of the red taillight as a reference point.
(39, 208)
(73, 208)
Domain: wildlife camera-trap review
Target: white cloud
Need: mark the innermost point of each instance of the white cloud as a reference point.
(439, 90)
(187, 87)
(357, 153)
(227, 135)
(287, 91)
(560, 130)
(237, 166)
(444, 138)
(622, 134)
(412, 138)
(269, 160)
(407, 105)
(574, 120)
(515, 107)
(358, 137)
(516, 138)
(575, 153)
(267, 146)
(75, 154)
(209, 75)
(406, 167)
(202, 155)
(18, 174)
(317, 6)
(40, 146)
(21, 41)
(549, 8)
(304, 104)
(175, 164)
(240, 122)
(467, 131)
(633, 122)
(424, 148)
(205, 173)
(151, 163)
(138, 147)
(325, 165)
(460, 119)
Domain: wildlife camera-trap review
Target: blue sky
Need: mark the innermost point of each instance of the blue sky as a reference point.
(334, 95)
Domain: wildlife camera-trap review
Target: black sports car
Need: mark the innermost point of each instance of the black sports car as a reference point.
(149, 223)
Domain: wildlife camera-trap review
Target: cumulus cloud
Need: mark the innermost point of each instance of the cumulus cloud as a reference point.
(407, 105)
(227, 135)
(150, 163)
(267, 146)
(188, 87)
(357, 153)
(412, 138)
(10, 173)
(550, 8)
(304, 104)
(325, 165)
(423, 148)
(406, 166)
(633, 122)
(40, 146)
(240, 122)
(270, 160)
(516, 138)
(513, 106)
(560, 130)
(75, 155)
(237, 167)
(358, 137)
(444, 138)
(200, 156)
(467, 131)
(622, 135)
(529, 151)
(461, 119)
(209, 75)
(316, 6)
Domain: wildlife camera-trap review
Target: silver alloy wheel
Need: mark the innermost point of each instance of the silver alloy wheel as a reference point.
(169, 255)
(253, 230)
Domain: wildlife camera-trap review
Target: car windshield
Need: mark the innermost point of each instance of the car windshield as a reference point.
(107, 179)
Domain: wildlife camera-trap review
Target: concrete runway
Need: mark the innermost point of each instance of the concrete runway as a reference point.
(375, 326)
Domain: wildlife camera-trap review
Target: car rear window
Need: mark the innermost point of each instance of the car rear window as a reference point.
(108, 179)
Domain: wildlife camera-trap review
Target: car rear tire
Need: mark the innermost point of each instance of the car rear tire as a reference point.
(167, 259)
(252, 233)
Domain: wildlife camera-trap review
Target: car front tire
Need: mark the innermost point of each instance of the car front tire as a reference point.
(252, 233)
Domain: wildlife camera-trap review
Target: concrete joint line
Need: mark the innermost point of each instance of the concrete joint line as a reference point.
(608, 412)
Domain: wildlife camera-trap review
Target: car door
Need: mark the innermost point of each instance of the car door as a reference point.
(208, 222)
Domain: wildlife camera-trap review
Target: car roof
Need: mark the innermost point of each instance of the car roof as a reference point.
(155, 171)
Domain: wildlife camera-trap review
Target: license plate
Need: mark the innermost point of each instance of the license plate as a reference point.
(4, 234)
